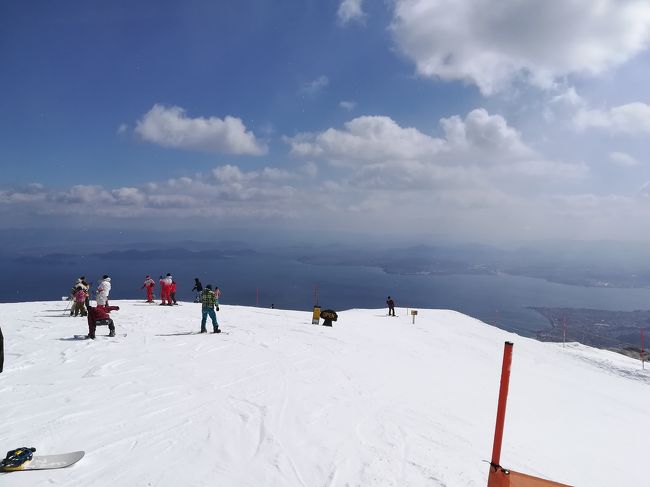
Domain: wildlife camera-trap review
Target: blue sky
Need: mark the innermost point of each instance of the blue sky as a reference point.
(432, 118)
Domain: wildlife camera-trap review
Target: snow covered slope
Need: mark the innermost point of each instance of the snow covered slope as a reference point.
(374, 401)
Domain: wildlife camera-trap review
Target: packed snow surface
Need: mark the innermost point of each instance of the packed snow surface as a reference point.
(373, 401)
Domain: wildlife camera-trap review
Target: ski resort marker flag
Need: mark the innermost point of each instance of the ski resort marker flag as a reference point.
(499, 476)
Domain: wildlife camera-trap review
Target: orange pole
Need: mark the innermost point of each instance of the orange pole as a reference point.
(501, 409)
(642, 352)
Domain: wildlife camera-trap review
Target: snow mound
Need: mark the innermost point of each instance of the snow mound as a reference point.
(373, 401)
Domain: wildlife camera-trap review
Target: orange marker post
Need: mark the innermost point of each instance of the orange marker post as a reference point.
(501, 409)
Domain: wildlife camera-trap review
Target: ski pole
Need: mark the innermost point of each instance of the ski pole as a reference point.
(67, 307)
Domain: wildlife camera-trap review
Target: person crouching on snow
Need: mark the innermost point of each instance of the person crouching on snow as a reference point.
(99, 316)
(103, 290)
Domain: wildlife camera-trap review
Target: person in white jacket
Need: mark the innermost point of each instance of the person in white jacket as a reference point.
(103, 290)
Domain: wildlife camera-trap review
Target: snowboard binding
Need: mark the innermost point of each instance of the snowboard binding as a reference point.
(16, 459)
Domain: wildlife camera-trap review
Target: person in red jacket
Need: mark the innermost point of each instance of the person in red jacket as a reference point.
(98, 316)
(163, 291)
(172, 292)
(149, 284)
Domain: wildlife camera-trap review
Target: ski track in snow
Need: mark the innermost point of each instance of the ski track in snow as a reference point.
(280, 402)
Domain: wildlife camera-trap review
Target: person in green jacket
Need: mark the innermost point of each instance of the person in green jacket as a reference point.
(209, 301)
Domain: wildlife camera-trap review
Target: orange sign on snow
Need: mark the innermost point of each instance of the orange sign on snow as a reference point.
(508, 478)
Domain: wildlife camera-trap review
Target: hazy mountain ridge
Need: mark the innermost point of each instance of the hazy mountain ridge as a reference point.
(139, 255)
(581, 264)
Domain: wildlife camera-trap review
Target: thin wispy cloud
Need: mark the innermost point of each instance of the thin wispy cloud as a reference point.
(314, 87)
(631, 118)
(623, 159)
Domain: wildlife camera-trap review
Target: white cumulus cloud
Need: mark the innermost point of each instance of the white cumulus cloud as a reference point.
(350, 10)
(481, 150)
(171, 127)
(491, 44)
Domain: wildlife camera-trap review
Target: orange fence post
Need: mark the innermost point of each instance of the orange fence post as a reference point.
(642, 351)
(499, 476)
(501, 409)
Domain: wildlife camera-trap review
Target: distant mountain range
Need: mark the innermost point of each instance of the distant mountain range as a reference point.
(592, 264)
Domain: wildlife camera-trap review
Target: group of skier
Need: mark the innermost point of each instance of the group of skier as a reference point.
(96, 315)
(80, 295)
(100, 314)
(208, 298)
(167, 290)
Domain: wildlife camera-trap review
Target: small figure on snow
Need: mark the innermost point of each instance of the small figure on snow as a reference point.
(198, 287)
(82, 282)
(165, 290)
(149, 284)
(79, 298)
(172, 292)
(98, 316)
(209, 301)
(103, 291)
(391, 306)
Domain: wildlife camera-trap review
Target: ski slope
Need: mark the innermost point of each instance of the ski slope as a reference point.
(373, 401)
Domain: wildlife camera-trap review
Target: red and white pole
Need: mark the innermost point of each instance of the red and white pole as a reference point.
(501, 409)
(642, 351)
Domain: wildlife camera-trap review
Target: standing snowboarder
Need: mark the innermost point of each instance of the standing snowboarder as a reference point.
(103, 291)
(391, 306)
(149, 284)
(198, 287)
(209, 301)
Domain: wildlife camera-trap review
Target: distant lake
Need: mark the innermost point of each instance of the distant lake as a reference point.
(289, 284)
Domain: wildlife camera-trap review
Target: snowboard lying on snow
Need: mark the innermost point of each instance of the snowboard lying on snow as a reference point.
(24, 459)
(184, 333)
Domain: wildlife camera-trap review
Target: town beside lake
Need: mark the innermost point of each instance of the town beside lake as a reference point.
(622, 331)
